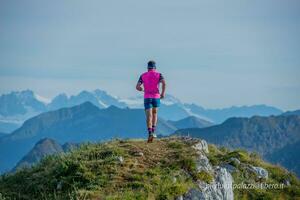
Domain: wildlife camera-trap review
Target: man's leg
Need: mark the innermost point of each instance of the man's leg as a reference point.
(149, 124)
(156, 104)
(149, 118)
(154, 118)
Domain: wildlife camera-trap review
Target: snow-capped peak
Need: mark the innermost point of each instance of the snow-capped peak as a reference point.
(42, 99)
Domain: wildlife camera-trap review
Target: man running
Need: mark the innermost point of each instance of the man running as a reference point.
(150, 81)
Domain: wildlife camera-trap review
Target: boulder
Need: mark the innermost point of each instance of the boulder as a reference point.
(260, 172)
(201, 146)
(219, 189)
(221, 186)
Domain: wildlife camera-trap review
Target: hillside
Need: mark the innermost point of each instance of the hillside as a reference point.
(40, 150)
(84, 122)
(191, 122)
(295, 112)
(2, 134)
(288, 156)
(220, 115)
(169, 168)
(43, 148)
(265, 135)
(8, 127)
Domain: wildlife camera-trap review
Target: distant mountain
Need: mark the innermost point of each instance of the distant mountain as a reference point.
(296, 112)
(220, 115)
(85, 122)
(19, 103)
(16, 107)
(173, 109)
(261, 134)
(41, 149)
(191, 122)
(8, 126)
(265, 135)
(287, 156)
(68, 146)
(2, 134)
(98, 97)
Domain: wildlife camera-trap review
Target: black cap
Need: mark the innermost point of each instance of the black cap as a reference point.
(151, 65)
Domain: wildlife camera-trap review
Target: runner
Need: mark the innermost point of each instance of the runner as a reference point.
(150, 81)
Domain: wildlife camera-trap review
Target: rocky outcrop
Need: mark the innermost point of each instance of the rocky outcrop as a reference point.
(201, 146)
(221, 186)
(260, 172)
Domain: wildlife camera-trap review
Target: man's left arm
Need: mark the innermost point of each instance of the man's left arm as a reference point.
(139, 84)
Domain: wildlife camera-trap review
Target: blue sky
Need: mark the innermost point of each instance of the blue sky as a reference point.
(213, 53)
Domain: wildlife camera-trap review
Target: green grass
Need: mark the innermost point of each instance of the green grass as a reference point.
(94, 171)
(165, 170)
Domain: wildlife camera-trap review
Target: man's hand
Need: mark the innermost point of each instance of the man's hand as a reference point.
(162, 95)
(139, 87)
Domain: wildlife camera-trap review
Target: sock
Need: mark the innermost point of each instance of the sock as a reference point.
(150, 131)
(153, 128)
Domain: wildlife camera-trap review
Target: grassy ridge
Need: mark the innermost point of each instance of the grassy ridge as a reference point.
(114, 170)
(134, 169)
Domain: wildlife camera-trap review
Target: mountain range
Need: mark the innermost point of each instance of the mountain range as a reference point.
(41, 149)
(276, 138)
(85, 122)
(17, 107)
(190, 122)
(2, 134)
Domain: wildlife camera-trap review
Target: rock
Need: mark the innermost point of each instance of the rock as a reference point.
(174, 179)
(219, 189)
(194, 194)
(59, 185)
(201, 146)
(138, 153)
(260, 172)
(202, 163)
(120, 159)
(179, 198)
(235, 161)
(286, 182)
(229, 167)
(224, 179)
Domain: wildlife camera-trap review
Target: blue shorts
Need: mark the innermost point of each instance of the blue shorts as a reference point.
(151, 103)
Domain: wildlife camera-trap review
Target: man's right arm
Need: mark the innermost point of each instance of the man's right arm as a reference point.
(163, 92)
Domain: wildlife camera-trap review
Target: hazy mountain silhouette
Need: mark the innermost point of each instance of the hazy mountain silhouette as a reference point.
(295, 112)
(2, 134)
(287, 156)
(16, 107)
(41, 149)
(220, 115)
(191, 122)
